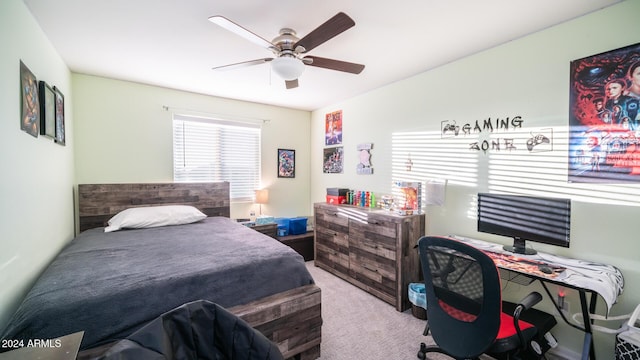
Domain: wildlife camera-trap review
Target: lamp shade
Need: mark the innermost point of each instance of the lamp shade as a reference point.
(262, 196)
(287, 67)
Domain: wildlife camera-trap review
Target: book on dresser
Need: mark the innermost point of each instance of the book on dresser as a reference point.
(372, 249)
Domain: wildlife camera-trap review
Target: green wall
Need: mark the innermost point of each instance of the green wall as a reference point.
(527, 77)
(124, 134)
(36, 186)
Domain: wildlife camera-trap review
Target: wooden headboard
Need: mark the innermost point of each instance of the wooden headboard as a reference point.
(97, 203)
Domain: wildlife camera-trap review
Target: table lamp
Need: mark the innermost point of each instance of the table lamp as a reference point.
(262, 197)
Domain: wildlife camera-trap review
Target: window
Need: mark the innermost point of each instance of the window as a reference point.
(217, 150)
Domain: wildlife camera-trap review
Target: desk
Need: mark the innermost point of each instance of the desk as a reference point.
(586, 277)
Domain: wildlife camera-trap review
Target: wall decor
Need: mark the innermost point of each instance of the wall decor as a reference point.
(408, 164)
(30, 115)
(364, 158)
(59, 113)
(333, 128)
(604, 121)
(333, 160)
(47, 110)
(286, 163)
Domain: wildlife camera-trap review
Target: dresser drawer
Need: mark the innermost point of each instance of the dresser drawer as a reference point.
(376, 273)
(378, 237)
(332, 218)
(372, 249)
(332, 246)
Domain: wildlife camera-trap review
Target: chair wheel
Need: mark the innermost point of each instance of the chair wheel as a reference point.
(422, 354)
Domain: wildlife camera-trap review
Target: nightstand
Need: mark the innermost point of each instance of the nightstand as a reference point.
(302, 244)
(267, 229)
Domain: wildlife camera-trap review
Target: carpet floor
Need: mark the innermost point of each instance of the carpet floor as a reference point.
(357, 325)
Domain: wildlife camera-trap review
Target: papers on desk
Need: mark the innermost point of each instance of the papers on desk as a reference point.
(606, 280)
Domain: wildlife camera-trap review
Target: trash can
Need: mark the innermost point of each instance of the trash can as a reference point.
(418, 300)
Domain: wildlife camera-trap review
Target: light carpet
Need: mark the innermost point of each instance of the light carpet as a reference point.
(357, 325)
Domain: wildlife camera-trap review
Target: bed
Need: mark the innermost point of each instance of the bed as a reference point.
(110, 284)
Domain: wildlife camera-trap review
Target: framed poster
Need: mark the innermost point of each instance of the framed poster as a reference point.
(333, 128)
(333, 160)
(286, 163)
(47, 110)
(59, 114)
(30, 114)
(604, 121)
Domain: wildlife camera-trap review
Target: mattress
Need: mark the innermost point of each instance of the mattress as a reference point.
(111, 284)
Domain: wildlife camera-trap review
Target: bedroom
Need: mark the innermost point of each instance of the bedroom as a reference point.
(37, 206)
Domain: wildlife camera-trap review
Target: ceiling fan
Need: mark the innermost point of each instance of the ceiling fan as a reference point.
(290, 51)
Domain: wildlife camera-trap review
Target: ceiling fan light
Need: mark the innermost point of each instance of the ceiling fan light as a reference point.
(287, 67)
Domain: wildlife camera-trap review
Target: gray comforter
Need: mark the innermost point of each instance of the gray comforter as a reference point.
(111, 284)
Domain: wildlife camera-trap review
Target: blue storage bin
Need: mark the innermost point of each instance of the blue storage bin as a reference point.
(283, 222)
(297, 225)
(292, 226)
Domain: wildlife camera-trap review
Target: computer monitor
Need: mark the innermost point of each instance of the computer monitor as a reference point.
(525, 218)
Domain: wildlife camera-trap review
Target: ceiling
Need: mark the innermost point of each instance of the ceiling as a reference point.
(171, 43)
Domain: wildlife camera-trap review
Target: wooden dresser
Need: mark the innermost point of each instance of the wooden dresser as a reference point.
(372, 249)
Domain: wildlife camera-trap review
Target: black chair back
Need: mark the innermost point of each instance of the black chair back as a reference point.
(463, 296)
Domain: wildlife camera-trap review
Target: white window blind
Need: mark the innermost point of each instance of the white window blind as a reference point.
(217, 150)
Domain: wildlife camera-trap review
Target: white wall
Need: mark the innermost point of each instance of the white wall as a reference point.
(124, 134)
(36, 186)
(528, 77)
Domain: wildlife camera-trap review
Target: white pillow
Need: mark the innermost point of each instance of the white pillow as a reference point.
(154, 216)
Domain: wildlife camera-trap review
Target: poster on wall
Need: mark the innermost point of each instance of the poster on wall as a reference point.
(60, 129)
(364, 159)
(604, 121)
(333, 160)
(30, 115)
(286, 163)
(333, 128)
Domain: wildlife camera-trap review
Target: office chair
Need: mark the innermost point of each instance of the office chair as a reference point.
(464, 305)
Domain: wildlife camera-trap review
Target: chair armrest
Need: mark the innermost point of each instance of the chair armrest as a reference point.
(525, 304)
(529, 301)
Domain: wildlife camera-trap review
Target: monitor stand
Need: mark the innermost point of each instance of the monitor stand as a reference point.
(519, 247)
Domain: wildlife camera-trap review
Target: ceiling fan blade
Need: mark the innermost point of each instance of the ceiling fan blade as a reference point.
(240, 31)
(332, 27)
(335, 64)
(242, 64)
(291, 84)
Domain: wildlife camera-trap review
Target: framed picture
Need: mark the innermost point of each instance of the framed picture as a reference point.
(30, 115)
(286, 163)
(333, 160)
(59, 114)
(47, 110)
(604, 117)
(333, 128)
